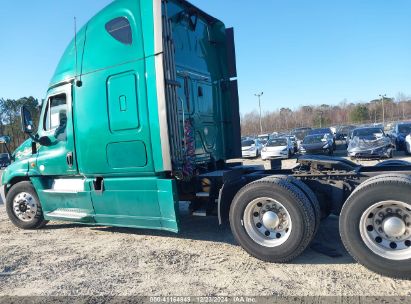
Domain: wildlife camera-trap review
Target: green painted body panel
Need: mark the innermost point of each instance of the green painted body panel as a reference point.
(19, 168)
(135, 202)
(80, 200)
(113, 131)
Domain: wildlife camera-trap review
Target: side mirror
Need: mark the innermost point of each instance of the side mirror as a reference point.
(26, 120)
(5, 139)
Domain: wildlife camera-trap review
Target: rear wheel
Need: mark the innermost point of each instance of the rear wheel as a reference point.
(272, 220)
(23, 207)
(315, 204)
(375, 225)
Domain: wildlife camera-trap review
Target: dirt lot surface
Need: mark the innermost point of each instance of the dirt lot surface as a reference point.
(67, 259)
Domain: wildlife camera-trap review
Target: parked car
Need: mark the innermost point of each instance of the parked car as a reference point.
(343, 132)
(4, 160)
(399, 133)
(265, 137)
(317, 144)
(349, 138)
(294, 142)
(334, 129)
(263, 142)
(408, 144)
(251, 148)
(280, 147)
(370, 143)
(327, 132)
(300, 134)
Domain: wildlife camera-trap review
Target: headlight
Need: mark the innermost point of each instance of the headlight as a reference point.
(264, 150)
(285, 149)
(326, 146)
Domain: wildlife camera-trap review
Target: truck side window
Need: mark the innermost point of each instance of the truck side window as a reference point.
(120, 29)
(55, 116)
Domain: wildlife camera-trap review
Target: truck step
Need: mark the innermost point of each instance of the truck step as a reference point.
(203, 194)
(72, 214)
(200, 212)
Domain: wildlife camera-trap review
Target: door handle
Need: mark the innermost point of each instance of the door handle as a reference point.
(69, 159)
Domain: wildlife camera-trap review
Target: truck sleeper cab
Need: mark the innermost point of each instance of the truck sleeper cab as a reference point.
(142, 113)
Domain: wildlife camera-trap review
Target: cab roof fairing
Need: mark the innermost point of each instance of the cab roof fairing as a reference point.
(69, 67)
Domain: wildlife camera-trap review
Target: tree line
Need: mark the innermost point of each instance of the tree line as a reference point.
(284, 119)
(10, 122)
(345, 113)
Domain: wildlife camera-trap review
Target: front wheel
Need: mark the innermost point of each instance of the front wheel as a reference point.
(272, 220)
(23, 207)
(375, 225)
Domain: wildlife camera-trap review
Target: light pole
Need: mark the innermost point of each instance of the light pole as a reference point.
(259, 105)
(383, 108)
(321, 119)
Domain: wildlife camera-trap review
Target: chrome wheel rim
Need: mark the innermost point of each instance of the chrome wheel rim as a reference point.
(25, 207)
(267, 222)
(385, 228)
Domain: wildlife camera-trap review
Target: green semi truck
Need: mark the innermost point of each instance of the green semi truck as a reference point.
(142, 113)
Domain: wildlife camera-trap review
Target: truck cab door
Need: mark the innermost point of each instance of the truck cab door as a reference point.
(63, 193)
(57, 157)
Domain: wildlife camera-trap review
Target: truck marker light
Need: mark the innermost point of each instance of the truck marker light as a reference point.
(42, 168)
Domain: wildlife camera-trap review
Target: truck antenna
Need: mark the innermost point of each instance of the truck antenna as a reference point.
(75, 42)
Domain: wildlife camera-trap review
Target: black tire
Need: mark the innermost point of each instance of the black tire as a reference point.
(315, 204)
(37, 221)
(298, 207)
(388, 187)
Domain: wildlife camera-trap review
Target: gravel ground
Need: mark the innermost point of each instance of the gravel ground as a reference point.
(68, 259)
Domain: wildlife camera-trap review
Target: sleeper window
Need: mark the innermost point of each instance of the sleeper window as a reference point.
(120, 29)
